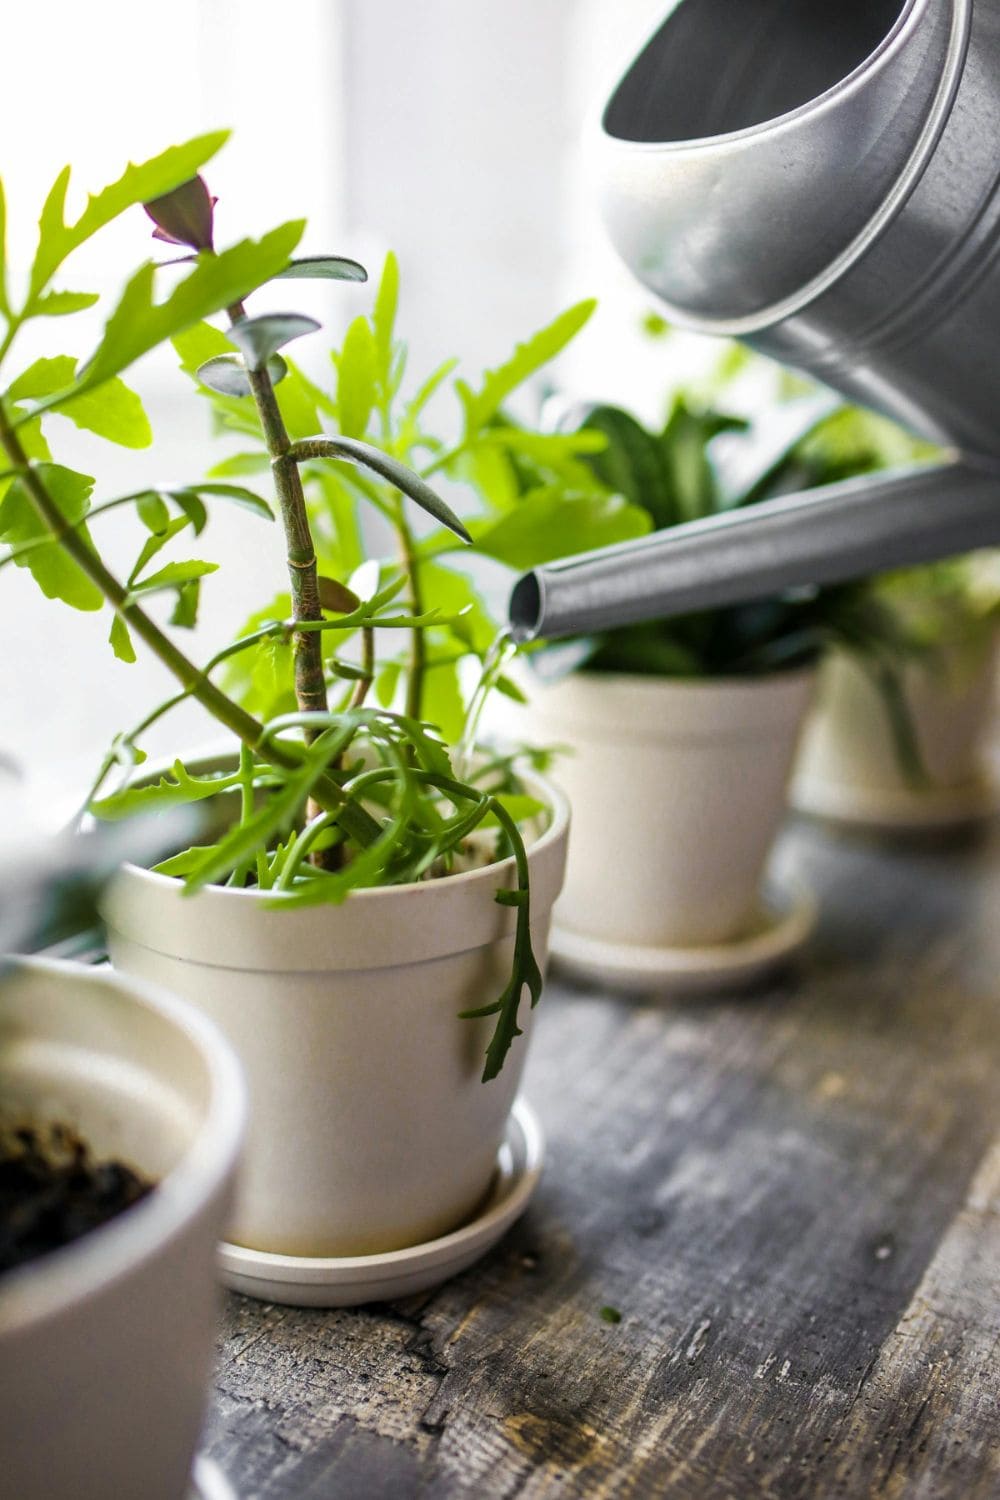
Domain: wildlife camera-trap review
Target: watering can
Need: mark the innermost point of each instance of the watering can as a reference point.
(821, 181)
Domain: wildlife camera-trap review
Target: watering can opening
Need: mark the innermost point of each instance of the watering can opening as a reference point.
(720, 66)
(755, 149)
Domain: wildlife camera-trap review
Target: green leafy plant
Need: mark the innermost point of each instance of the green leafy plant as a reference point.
(332, 790)
(706, 460)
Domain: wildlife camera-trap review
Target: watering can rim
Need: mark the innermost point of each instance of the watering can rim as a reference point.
(894, 40)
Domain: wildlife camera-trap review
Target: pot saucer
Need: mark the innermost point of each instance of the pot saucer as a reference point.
(900, 809)
(786, 918)
(346, 1281)
(208, 1482)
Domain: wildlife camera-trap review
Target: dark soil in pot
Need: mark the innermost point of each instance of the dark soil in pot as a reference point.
(53, 1192)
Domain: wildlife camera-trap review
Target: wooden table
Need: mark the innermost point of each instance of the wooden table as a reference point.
(791, 1198)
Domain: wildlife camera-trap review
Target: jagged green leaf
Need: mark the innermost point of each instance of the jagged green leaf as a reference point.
(549, 524)
(56, 574)
(137, 183)
(526, 360)
(138, 324)
(60, 304)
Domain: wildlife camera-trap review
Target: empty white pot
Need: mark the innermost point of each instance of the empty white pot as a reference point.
(677, 789)
(106, 1344)
(370, 1128)
(849, 767)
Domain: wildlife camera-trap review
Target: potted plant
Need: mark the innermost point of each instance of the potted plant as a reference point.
(366, 912)
(695, 721)
(121, 1118)
(927, 763)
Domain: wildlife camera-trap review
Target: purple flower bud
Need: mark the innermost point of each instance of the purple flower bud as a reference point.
(184, 217)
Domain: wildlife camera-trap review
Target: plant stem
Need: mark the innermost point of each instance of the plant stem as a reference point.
(355, 821)
(310, 682)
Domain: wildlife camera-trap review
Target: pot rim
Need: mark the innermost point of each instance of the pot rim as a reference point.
(555, 799)
(40, 1289)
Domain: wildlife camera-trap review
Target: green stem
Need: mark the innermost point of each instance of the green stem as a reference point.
(310, 680)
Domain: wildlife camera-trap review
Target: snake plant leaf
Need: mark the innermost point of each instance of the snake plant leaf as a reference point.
(387, 467)
(322, 268)
(259, 338)
(226, 374)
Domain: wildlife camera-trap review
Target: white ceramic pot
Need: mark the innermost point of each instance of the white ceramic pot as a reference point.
(848, 766)
(106, 1344)
(370, 1129)
(677, 789)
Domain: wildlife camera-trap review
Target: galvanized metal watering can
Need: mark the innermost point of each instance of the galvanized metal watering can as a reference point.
(823, 182)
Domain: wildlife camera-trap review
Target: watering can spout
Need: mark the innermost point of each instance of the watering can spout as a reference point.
(822, 537)
(821, 182)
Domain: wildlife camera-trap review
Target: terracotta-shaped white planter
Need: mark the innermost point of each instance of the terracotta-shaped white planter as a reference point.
(849, 768)
(370, 1128)
(106, 1344)
(677, 789)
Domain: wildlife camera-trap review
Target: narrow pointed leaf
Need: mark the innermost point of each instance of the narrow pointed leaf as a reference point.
(417, 489)
(357, 378)
(322, 268)
(261, 337)
(237, 493)
(56, 574)
(172, 575)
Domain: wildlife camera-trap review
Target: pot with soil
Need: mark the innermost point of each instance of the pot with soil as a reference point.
(371, 1128)
(121, 1118)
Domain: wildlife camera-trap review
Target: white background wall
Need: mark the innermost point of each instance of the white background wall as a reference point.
(447, 129)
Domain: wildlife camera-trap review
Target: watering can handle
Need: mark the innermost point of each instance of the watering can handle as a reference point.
(824, 536)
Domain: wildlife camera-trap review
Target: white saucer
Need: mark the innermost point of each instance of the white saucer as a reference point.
(901, 809)
(787, 917)
(208, 1482)
(303, 1281)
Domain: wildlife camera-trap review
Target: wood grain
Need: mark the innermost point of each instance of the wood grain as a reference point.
(791, 1197)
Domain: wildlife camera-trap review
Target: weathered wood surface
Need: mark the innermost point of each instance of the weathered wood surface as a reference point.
(792, 1198)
